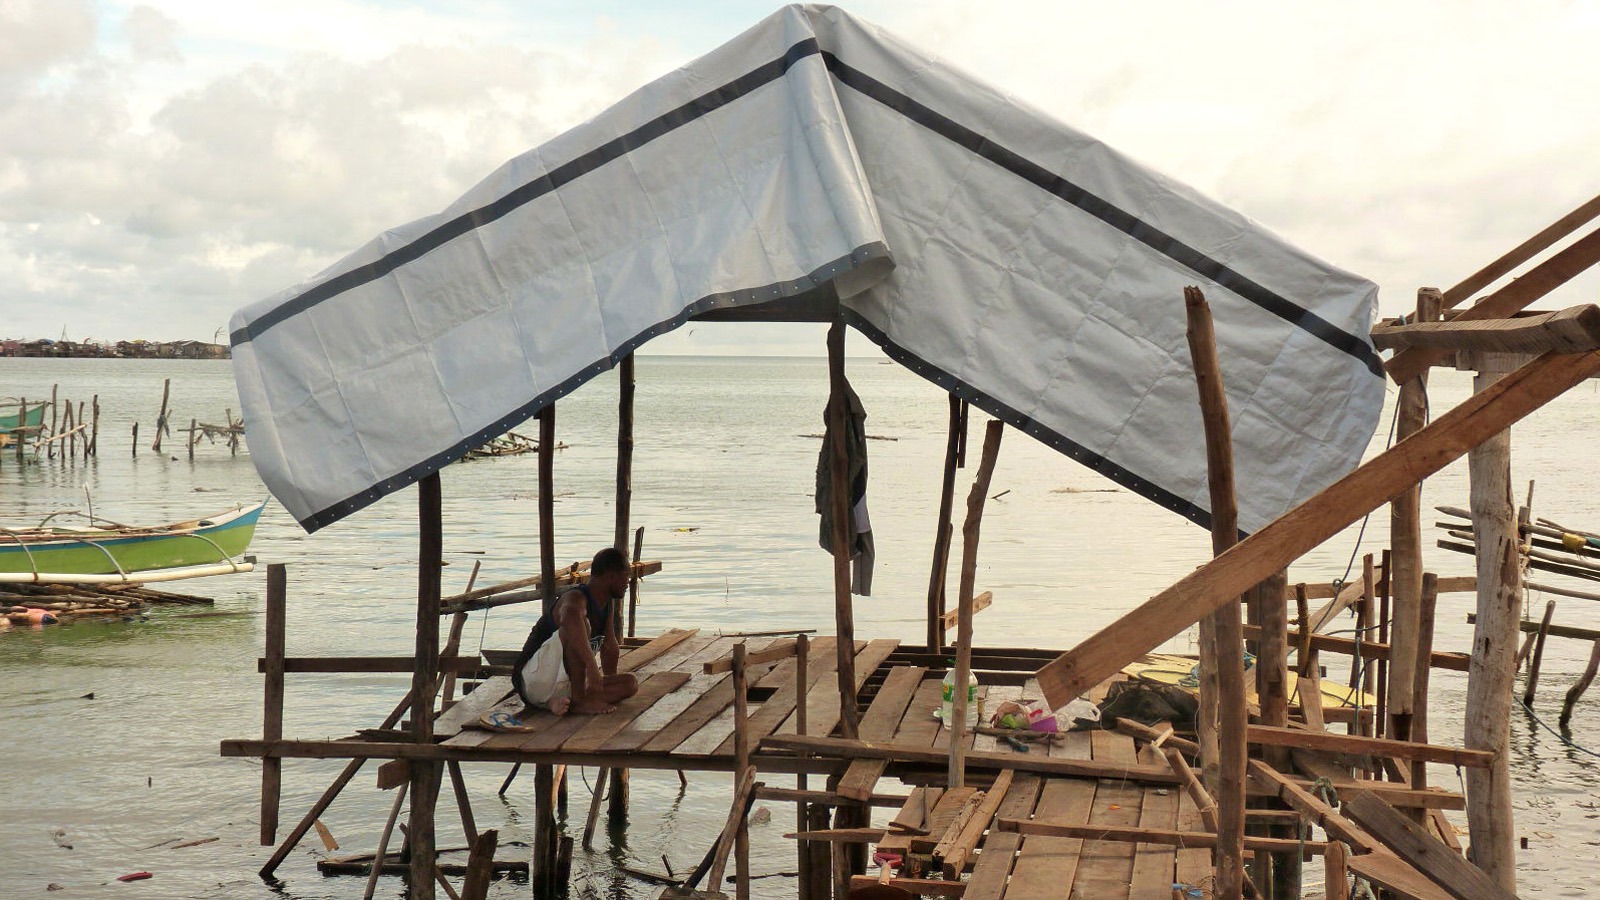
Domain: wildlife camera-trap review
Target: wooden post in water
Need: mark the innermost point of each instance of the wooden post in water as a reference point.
(193, 424)
(802, 653)
(843, 611)
(161, 418)
(546, 845)
(956, 775)
(1227, 664)
(619, 777)
(22, 427)
(1419, 691)
(272, 702)
(94, 429)
(136, 440)
(1538, 653)
(51, 450)
(1581, 685)
(425, 776)
(633, 580)
(941, 537)
(1491, 676)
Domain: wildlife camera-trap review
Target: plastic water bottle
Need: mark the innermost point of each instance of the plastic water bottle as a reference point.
(947, 707)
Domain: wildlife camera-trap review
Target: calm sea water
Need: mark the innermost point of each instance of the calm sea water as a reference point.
(723, 480)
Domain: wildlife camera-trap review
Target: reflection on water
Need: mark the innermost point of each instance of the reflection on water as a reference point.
(722, 484)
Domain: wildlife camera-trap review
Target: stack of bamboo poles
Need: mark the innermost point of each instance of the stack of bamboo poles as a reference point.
(82, 601)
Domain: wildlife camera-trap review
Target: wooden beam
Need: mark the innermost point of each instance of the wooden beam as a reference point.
(1166, 836)
(850, 749)
(1454, 584)
(1455, 662)
(1407, 840)
(1572, 330)
(952, 618)
(1311, 807)
(1525, 251)
(922, 887)
(1541, 280)
(1351, 743)
(1311, 523)
(305, 665)
(772, 653)
(952, 855)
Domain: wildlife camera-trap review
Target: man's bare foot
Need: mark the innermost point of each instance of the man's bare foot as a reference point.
(560, 705)
(588, 707)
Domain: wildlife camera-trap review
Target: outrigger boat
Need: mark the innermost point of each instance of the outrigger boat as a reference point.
(12, 416)
(105, 552)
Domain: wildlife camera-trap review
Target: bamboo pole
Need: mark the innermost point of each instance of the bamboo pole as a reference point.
(1538, 653)
(843, 611)
(425, 776)
(1491, 676)
(1580, 686)
(941, 537)
(272, 702)
(1227, 663)
(969, 575)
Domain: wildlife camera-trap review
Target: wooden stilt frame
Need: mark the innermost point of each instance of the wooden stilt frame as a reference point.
(425, 776)
(272, 705)
(941, 537)
(956, 775)
(843, 611)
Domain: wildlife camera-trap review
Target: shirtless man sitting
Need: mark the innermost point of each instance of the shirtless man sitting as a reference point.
(557, 668)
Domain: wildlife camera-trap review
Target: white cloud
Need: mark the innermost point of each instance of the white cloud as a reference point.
(164, 163)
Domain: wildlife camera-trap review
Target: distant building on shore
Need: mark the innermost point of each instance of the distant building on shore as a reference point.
(44, 347)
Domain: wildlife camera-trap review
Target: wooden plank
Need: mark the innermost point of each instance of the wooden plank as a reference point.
(925, 887)
(1422, 851)
(714, 691)
(1313, 809)
(567, 577)
(1153, 865)
(1389, 871)
(324, 665)
(999, 853)
(919, 727)
(1193, 865)
(1092, 832)
(599, 729)
(1572, 330)
(980, 603)
(994, 696)
(773, 652)
(1454, 584)
(1311, 523)
(1046, 866)
(951, 804)
(1105, 868)
(822, 705)
(848, 749)
(880, 723)
(715, 699)
(1348, 743)
(953, 853)
(780, 707)
(486, 696)
(635, 659)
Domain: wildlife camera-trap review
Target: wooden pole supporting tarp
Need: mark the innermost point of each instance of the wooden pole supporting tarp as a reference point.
(618, 778)
(969, 575)
(843, 608)
(1405, 541)
(1312, 522)
(1492, 675)
(1225, 669)
(941, 537)
(425, 776)
(272, 705)
(542, 872)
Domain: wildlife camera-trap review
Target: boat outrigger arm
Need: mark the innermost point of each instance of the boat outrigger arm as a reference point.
(143, 577)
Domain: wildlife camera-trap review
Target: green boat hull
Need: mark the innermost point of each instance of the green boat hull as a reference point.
(10, 416)
(105, 553)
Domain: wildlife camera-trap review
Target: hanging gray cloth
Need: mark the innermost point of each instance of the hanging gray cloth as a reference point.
(855, 443)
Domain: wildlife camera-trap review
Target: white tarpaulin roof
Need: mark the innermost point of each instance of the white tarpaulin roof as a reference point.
(995, 251)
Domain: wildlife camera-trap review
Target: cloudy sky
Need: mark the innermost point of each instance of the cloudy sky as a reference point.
(164, 163)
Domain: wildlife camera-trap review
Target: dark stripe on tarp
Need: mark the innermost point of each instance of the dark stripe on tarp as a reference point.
(1105, 211)
(820, 277)
(1133, 481)
(551, 181)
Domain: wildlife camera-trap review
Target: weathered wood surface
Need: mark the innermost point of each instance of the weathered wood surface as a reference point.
(1407, 840)
(881, 721)
(1311, 523)
(1572, 330)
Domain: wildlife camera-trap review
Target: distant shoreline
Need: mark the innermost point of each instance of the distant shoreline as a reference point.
(48, 349)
